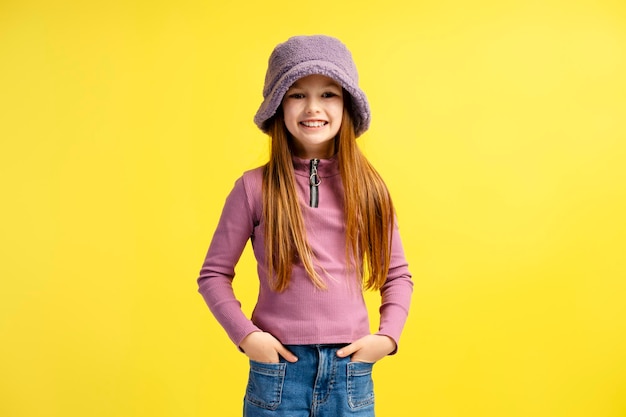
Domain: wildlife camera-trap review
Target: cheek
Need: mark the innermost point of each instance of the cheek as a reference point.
(287, 114)
(291, 112)
(338, 111)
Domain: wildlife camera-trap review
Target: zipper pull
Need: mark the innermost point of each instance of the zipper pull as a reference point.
(314, 181)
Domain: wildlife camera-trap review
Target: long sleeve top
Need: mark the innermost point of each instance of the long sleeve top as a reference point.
(301, 314)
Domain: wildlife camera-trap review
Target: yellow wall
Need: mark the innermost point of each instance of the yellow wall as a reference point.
(499, 127)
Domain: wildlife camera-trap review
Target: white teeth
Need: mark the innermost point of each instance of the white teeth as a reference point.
(314, 124)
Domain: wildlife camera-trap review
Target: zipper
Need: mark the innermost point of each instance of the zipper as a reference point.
(314, 182)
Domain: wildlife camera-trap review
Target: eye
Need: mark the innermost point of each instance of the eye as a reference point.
(329, 94)
(296, 96)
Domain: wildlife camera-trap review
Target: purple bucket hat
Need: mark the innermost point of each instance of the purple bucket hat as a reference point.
(300, 56)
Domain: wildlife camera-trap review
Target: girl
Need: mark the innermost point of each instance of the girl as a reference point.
(322, 228)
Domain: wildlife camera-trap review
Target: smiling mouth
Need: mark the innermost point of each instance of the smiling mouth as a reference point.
(314, 123)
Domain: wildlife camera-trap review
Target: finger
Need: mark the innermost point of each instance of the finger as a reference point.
(285, 353)
(348, 350)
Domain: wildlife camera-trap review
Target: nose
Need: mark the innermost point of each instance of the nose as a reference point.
(312, 105)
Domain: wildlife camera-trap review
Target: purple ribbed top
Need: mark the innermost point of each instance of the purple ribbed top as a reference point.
(302, 314)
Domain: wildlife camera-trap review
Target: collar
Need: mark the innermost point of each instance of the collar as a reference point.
(325, 168)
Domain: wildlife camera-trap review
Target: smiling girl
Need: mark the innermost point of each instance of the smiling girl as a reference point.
(323, 229)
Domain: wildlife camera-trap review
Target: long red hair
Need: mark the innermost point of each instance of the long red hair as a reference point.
(369, 213)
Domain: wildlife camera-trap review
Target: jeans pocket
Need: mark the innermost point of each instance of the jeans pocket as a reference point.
(360, 385)
(265, 384)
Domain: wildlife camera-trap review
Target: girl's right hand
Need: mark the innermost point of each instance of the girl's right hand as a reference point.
(263, 347)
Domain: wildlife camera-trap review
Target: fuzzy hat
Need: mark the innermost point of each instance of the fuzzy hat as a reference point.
(300, 56)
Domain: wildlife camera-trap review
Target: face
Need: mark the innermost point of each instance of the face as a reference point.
(313, 109)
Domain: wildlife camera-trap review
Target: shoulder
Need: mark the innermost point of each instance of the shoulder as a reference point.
(253, 176)
(252, 183)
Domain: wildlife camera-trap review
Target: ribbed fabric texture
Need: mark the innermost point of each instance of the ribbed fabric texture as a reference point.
(302, 314)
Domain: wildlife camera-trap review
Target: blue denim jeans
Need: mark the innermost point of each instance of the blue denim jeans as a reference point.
(320, 384)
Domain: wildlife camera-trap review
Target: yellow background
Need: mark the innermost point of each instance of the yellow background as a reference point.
(499, 127)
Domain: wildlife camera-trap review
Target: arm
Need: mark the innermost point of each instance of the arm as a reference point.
(235, 227)
(394, 309)
(395, 293)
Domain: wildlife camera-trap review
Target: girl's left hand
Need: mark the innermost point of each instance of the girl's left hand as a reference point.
(370, 348)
